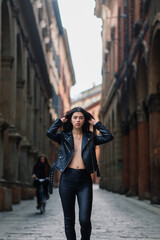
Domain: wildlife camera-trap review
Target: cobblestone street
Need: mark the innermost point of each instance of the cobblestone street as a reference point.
(114, 217)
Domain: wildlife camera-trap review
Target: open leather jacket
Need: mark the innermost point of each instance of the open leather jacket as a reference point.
(67, 147)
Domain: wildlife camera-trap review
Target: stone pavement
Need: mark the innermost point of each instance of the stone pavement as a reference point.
(114, 217)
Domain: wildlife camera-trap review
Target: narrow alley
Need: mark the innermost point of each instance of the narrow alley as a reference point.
(114, 217)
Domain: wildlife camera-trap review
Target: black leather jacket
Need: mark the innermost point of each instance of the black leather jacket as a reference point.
(67, 147)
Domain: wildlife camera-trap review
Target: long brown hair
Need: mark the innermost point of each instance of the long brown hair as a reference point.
(47, 164)
(67, 126)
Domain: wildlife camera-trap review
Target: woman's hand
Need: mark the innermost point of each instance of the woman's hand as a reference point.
(92, 121)
(64, 119)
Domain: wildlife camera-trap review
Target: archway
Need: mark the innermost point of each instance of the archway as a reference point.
(154, 69)
(154, 113)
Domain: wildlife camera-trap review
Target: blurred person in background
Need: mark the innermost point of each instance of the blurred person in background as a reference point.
(41, 170)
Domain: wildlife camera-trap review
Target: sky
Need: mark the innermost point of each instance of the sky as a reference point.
(84, 36)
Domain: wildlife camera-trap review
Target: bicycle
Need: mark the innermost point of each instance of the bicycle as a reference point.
(41, 194)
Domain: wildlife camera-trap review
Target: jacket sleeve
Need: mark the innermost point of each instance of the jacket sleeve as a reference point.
(105, 136)
(52, 132)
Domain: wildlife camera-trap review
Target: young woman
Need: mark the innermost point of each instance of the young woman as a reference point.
(76, 161)
(41, 170)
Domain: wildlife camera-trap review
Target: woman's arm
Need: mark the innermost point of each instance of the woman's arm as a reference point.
(52, 132)
(105, 136)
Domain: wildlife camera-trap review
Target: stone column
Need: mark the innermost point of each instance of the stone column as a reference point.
(5, 193)
(109, 169)
(143, 155)
(24, 147)
(125, 154)
(12, 163)
(6, 86)
(154, 146)
(118, 158)
(112, 161)
(3, 126)
(133, 157)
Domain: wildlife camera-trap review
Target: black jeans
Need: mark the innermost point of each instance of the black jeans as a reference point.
(76, 182)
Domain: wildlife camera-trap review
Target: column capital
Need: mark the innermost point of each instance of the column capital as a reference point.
(154, 103)
(7, 61)
(13, 134)
(25, 143)
(142, 115)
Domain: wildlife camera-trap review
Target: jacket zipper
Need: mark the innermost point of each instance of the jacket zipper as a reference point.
(69, 152)
(68, 142)
(67, 147)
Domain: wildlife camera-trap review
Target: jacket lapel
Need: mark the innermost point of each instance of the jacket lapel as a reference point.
(85, 140)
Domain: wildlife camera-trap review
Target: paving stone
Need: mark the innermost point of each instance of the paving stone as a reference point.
(114, 217)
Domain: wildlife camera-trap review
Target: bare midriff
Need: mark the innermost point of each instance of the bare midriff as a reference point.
(77, 161)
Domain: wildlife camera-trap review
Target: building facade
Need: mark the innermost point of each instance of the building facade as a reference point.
(61, 74)
(30, 75)
(130, 105)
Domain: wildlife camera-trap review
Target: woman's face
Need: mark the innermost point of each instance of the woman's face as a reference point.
(77, 120)
(42, 160)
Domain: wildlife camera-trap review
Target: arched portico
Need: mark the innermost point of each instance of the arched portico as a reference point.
(8, 97)
(154, 112)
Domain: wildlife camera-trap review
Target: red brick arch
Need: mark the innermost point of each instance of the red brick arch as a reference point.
(154, 57)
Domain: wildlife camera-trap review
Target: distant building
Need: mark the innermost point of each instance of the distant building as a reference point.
(90, 101)
(34, 58)
(130, 105)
